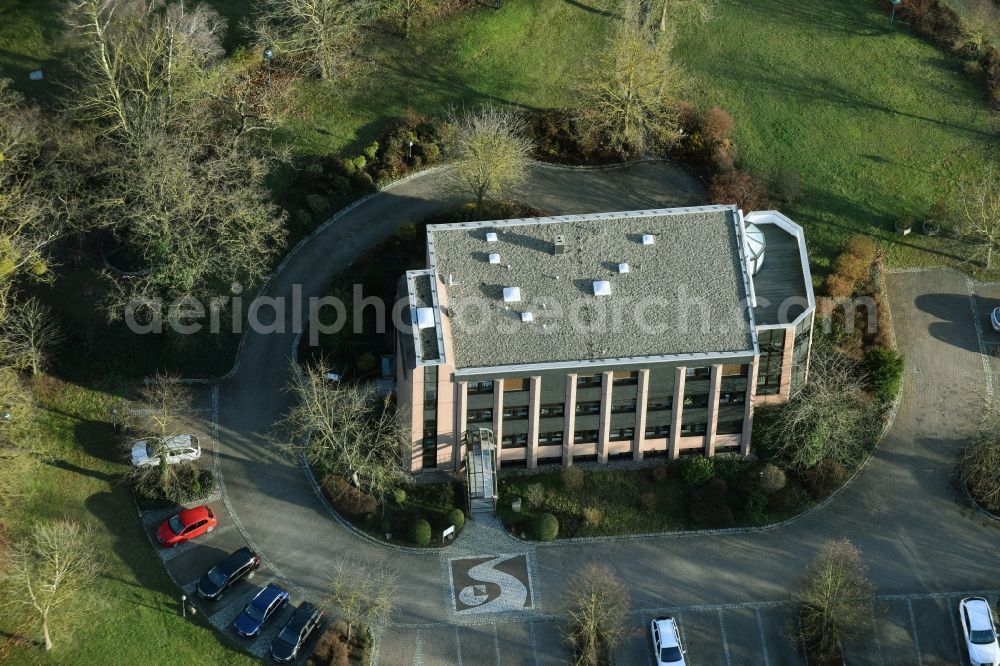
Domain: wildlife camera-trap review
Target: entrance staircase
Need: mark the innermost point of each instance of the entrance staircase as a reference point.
(480, 468)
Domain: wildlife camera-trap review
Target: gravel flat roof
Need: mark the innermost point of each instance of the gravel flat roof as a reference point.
(684, 294)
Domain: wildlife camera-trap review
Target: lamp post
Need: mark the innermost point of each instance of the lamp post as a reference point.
(268, 57)
(892, 15)
(410, 151)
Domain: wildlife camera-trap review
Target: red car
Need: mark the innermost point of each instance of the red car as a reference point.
(185, 526)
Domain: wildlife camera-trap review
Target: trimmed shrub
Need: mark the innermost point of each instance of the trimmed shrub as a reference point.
(592, 515)
(852, 267)
(420, 532)
(457, 518)
(534, 495)
(824, 478)
(772, 478)
(885, 371)
(347, 499)
(697, 470)
(546, 527)
(862, 247)
(331, 649)
(837, 286)
(755, 511)
(787, 499)
(572, 478)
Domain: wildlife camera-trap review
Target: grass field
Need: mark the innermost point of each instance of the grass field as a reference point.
(136, 618)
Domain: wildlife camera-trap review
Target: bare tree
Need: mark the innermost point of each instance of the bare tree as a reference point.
(491, 150)
(49, 573)
(979, 462)
(686, 10)
(163, 409)
(598, 606)
(411, 12)
(977, 212)
(349, 430)
(317, 36)
(362, 594)
(834, 597)
(629, 90)
(29, 336)
(830, 417)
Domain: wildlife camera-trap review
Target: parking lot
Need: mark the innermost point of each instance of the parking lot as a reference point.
(903, 630)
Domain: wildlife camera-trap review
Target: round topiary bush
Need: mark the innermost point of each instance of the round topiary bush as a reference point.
(772, 478)
(547, 527)
(697, 470)
(456, 518)
(421, 532)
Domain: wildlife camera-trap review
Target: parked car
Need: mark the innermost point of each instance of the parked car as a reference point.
(185, 526)
(995, 319)
(180, 448)
(234, 568)
(667, 642)
(261, 608)
(292, 637)
(980, 632)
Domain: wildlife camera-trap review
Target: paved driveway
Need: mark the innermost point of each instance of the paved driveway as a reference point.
(903, 511)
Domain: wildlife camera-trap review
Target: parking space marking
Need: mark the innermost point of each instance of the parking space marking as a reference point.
(913, 626)
(763, 640)
(418, 650)
(458, 647)
(534, 644)
(725, 643)
(878, 643)
(496, 643)
(167, 554)
(955, 633)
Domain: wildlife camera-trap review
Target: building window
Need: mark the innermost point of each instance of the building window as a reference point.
(516, 384)
(429, 452)
(593, 407)
(696, 401)
(550, 437)
(554, 409)
(733, 398)
(624, 408)
(625, 378)
(657, 432)
(729, 428)
(698, 373)
(515, 413)
(584, 436)
(588, 381)
(479, 415)
(772, 351)
(479, 388)
(693, 429)
(514, 441)
(735, 370)
(619, 434)
(660, 405)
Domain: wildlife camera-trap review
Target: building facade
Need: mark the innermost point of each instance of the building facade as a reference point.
(603, 337)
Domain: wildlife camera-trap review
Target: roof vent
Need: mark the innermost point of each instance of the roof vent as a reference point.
(491, 237)
(623, 268)
(511, 294)
(494, 258)
(648, 239)
(527, 317)
(602, 288)
(559, 245)
(425, 318)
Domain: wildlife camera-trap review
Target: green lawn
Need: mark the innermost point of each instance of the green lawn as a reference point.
(136, 621)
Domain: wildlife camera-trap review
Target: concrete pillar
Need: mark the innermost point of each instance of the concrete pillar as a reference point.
(569, 414)
(680, 374)
(640, 414)
(498, 417)
(417, 419)
(446, 395)
(461, 402)
(534, 405)
(715, 383)
(604, 430)
(748, 409)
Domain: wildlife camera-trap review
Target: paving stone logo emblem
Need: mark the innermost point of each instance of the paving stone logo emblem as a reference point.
(490, 584)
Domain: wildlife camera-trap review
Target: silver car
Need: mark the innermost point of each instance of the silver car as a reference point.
(180, 448)
(980, 632)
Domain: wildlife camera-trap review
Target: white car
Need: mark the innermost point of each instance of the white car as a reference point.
(667, 642)
(180, 448)
(995, 319)
(980, 632)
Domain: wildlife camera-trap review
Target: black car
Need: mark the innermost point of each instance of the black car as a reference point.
(234, 568)
(293, 636)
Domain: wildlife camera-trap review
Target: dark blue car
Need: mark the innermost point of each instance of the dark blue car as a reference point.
(267, 602)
